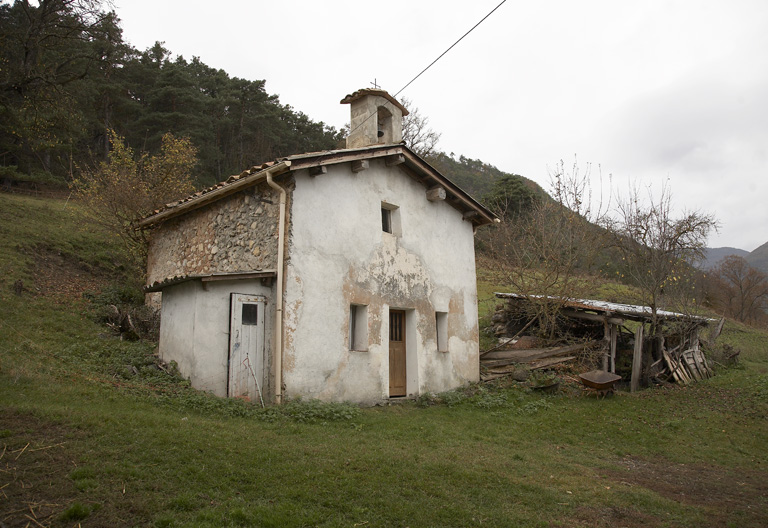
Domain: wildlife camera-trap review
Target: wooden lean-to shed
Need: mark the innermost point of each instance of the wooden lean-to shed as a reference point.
(345, 275)
(621, 333)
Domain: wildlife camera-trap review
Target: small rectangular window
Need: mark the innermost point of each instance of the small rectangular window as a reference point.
(358, 327)
(250, 314)
(441, 323)
(390, 219)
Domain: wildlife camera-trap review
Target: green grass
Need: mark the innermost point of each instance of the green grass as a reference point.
(92, 432)
(55, 225)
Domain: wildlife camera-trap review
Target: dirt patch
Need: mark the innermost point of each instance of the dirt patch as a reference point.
(34, 463)
(43, 483)
(609, 517)
(729, 497)
(63, 278)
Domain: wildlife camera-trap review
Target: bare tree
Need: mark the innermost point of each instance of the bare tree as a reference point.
(416, 133)
(658, 249)
(741, 290)
(544, 250)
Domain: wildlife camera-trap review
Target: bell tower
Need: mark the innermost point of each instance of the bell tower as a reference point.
(376, 118)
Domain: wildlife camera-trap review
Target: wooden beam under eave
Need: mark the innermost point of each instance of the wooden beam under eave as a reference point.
(469, 215)
(317, 171)
(436, 194)
(576, 314)
(359, 165)
(395, 159)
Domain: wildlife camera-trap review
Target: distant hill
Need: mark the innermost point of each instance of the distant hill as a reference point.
(759, 258)
(713, 256)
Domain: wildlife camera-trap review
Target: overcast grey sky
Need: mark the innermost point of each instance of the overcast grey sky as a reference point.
(652, 92)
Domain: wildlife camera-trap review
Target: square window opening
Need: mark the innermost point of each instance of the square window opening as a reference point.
(358, 327)
(441, 324)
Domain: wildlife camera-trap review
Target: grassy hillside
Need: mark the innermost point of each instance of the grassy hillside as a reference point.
(93, 433)
(474, 176)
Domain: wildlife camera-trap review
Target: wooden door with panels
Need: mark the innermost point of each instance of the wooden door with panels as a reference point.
(397, 372)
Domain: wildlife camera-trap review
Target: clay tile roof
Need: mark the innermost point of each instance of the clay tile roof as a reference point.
(374, 91)
(232, 179)
(321, 157)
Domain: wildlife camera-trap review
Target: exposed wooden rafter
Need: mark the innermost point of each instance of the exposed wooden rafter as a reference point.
(436, 193)
(318, 170)
(359, 165)
(395, 159)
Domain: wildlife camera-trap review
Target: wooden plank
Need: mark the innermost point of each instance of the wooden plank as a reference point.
(671, 366)
(544, 363)
(577, 314)
(702, 361)
(507, 357)
(685, 379)
(519, 354)
(690, 365)
(637, 360)
(341, 156)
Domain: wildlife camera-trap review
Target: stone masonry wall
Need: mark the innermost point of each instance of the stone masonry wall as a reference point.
(235, 234)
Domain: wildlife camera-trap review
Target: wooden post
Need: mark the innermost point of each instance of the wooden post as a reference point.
(613, 348)
(637, 360)
(607, 345)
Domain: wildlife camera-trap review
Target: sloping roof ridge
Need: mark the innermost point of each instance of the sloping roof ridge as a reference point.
(381, 146)
(311, 158)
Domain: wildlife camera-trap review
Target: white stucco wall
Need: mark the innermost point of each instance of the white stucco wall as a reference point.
(339, 255)
(195, 329)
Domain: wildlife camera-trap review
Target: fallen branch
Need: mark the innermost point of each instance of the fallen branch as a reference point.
(22, 451)
(34, 521)
(47, 447)
(544, 363)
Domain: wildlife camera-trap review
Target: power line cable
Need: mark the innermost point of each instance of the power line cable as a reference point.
(437, 59)
(450, 48)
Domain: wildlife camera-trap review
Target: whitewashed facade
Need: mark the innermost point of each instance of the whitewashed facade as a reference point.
(372, 297)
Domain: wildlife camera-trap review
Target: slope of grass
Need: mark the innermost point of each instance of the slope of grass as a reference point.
(27, 224)
(91, 432)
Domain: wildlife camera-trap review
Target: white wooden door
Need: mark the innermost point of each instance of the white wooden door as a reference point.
(246, 346)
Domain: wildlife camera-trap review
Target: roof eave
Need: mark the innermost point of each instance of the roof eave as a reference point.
(305, 161)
